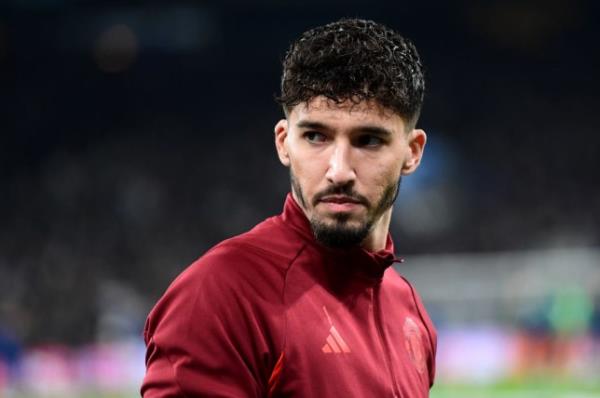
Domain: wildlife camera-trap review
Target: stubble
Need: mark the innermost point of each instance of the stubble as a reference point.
(339, 233)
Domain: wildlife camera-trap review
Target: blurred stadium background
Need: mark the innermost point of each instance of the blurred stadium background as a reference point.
(136, 134)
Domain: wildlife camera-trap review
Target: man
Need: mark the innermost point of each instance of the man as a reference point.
(306, 303)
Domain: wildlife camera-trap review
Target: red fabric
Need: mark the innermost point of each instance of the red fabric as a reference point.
(273, 313)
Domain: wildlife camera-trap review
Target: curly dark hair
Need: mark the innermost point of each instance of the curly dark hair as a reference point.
(355, 60)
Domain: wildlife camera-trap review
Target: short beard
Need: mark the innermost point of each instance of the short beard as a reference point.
(340, 235)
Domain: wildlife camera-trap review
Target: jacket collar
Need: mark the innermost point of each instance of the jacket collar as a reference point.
(369, 264)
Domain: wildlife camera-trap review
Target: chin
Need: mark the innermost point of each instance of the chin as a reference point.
(339, 234)
(343, 220)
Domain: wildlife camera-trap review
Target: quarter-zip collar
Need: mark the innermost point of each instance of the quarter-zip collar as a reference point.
(370, 265)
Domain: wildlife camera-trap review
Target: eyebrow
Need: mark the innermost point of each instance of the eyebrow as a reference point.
(367, 128)
(308, 124)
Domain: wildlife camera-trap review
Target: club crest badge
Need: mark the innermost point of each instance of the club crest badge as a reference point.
(413, 343)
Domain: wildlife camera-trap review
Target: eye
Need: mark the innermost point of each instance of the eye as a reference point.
(314, 137)
(369, 141)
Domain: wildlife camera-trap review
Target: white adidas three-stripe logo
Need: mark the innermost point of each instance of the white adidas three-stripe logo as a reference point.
(335, 343)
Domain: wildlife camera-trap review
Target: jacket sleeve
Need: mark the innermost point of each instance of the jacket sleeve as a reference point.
(205, 338)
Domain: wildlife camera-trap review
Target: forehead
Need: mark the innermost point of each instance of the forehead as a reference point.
(346, 113)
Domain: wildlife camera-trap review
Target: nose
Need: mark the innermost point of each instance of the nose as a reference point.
(341, 170)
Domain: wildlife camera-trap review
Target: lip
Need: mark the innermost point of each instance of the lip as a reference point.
(339, 199)
(339, 203)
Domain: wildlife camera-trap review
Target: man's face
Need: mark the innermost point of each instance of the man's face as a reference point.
(346, 161)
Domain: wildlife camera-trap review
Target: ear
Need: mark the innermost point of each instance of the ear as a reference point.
(416, 145)
(281, 134)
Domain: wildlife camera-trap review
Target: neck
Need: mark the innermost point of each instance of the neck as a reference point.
(377, 238)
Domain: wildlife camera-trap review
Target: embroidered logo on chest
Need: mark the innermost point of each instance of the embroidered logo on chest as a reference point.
(413, 343)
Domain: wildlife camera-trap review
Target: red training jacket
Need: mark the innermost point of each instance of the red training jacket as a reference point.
(272, 313)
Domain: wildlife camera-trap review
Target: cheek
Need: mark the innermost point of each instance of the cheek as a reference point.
(306, 174)
(383, 174)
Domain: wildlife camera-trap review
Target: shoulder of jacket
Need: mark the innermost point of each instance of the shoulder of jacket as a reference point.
(255, 258)
(398, 281)
(268, 242)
